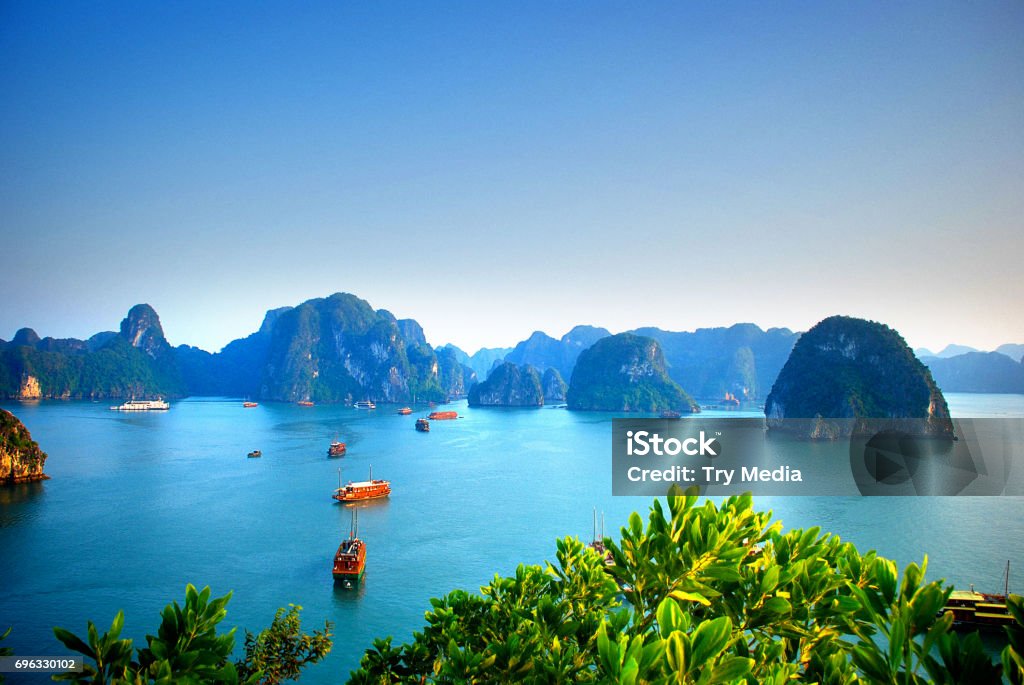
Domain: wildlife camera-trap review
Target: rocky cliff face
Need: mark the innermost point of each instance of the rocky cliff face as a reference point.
(456, 377)
(554, 386)
(845, 369)
(626, 373)
(338, 349)
(137, 362)
(509, 386)
(142, 329)
(21, 460)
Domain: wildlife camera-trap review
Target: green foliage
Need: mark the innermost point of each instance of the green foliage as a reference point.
(280, 652)
(705, 594)
(509, 386)
(188, 649)
(625, 372)
(851, 368)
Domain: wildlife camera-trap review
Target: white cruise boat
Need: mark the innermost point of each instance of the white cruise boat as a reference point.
(365, 404)
(143, 405)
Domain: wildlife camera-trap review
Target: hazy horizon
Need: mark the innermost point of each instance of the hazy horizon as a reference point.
(490, 170)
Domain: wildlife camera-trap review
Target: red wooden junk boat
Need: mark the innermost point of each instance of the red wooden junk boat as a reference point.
(350, 559)
(362, 490)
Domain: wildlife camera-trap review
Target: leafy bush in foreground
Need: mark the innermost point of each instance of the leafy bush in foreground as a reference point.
(188, 649)
(704, 594)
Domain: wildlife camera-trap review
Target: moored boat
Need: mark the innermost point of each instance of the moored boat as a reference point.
(669, 414)
(973, 610)
(304, 403)
(249, 405)
(443, 415)
(362, 490)
(350, 559)
(336, 449)
(255, 453)
(143, 405)
(405, 411)
(422, 425)
(365, 404)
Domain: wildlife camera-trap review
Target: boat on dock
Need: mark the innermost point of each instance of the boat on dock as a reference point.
(405, 411)
(443, 415)
(362, 490)
(336, 449)
(143, 405)
(365, 404)
(973, 610)
(422, 425)
(255, 454)
(350, 559)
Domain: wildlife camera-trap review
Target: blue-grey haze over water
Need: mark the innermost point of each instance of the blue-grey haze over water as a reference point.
(141, 504)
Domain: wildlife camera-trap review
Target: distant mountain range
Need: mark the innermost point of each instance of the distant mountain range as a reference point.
(340, 349)
(1012, 350)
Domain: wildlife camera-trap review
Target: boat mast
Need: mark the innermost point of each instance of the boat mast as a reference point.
(371, 473)
(1006, 588)
(595, 525)
(602, 527)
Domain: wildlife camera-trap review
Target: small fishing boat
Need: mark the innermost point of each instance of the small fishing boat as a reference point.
(973, 610)
(405, 411)
(422, 425)
(362, 490)
(304, 403)
(669, 414)
(336, 449)
(443, 415)
(255, 453)
(350, 559)
(365, 404)
(249, 405)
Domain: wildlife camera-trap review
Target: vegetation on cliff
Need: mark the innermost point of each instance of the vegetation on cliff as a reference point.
(21, 460)
(338, 349)
(136, 362)
(554, 386)
(626, 373)
(846, 368)
(509, 385)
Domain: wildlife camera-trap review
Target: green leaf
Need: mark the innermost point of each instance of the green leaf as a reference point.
(689, 597)
(730, 668)
(710, 639)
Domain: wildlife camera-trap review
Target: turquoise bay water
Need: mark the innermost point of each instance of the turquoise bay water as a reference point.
(139, 505)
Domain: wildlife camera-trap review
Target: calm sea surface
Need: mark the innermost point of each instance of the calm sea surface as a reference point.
(139, 505)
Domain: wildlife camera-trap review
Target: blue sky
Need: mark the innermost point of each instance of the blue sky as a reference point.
(491, 169)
